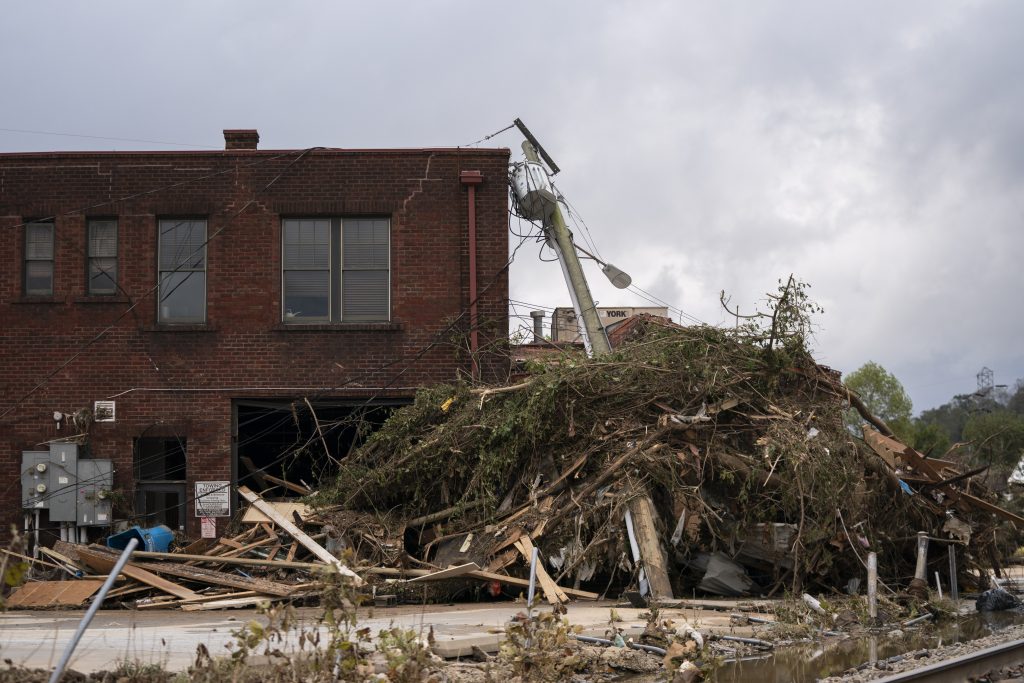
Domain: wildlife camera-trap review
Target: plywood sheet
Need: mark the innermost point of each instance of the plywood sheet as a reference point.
(254, 516)
(54, 593)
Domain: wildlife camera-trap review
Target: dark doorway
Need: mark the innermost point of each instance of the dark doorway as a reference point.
(285, 446)
(159, 464)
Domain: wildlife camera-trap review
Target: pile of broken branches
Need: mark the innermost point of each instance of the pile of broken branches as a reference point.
(687, 452)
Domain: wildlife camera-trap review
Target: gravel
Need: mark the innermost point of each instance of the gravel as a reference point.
(918, 658)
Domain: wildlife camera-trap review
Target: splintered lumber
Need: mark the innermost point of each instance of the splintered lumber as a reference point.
(228, 603)
(482, 575)
(298, 534)
(197, 574)
(253, 516)
(651, 553)
(54, 593)
(104, 562)
(220, 559)
(287, 484)
(552, 593)
(449, 573)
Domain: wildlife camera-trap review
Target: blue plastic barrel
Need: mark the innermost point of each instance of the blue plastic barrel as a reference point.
(154, 539)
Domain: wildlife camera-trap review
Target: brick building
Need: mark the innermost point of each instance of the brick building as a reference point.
(241, 309)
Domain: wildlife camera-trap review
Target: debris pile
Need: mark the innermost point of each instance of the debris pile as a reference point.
(690, 459)
(272, 559)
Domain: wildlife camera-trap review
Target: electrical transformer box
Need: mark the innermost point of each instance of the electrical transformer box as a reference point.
(63, 482)
(95, 480)
(35, 480)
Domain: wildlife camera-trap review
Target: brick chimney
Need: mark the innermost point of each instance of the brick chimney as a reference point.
(241, 138)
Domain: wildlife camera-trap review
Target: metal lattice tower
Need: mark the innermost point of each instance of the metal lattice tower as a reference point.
(986, 380)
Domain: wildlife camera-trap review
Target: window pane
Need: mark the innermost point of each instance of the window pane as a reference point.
(306, 294)
(103, 238)
(39, 241)
(364, 295)
(307, 244)
(102, 275)
(365, 243)
(182, 245)
(183, 296)
(39, 278)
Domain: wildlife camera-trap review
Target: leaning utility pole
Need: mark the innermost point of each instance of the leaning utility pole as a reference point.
(595, 339)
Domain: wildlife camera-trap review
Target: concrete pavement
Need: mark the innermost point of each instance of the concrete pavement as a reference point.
(38, 638)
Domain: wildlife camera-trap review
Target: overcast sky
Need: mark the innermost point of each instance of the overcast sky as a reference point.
(874, 149)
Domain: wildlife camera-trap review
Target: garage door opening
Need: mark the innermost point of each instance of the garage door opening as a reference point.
(285, 448)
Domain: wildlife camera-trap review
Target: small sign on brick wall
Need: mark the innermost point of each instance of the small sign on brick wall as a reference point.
(208, 526)
(213, 499)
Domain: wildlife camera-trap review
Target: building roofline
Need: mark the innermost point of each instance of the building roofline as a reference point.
(330, 151)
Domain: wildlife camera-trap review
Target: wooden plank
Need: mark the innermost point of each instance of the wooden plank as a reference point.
(449, 573)
(217, 559)
(253, 515)
(197, 574)
(220, 596)
(54, 593)
(229, 603)
(298, 534)
(483, 576)
(651, 553)
(105, 563)
(547, 585)
(287, 484)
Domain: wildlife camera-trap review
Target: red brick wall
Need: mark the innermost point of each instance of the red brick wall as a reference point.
(182, 380)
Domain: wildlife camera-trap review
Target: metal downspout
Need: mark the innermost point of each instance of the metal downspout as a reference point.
(471, 179)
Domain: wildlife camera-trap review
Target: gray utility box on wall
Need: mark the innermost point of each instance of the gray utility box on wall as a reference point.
(95, 479)
(72, 490)
(63, 481)
(35, 480)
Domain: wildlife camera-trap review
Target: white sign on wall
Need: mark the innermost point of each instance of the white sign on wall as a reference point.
(213, 499)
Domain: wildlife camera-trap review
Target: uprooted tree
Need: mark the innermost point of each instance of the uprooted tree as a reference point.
(737, 437)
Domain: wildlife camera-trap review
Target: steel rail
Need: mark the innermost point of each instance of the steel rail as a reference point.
(964, 667)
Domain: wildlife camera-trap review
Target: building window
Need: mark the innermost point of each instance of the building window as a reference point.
(39, 259)
(182, 261)
(160, 480)
(102, 271)
(336, 270)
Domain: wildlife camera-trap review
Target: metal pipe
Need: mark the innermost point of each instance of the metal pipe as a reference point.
(653, 649)
(920, 571)
(35, 536)
(917, 620)
(747, 641)
(538, 326)
(873, 587)
(471, 179)
(954, 589)
(93, 608)
(533, 581)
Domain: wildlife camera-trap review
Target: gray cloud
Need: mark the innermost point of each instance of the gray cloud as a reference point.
(874, 149)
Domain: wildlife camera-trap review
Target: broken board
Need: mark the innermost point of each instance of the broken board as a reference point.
(54, 593)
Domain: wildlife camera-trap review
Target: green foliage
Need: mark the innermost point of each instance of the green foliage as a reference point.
(539, 649)
(12, 570)
(930, 438)
(884, 397)
(997, 439)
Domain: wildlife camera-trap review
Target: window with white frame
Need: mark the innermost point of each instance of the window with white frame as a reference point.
(102, 256)
(336, 270)
(182, 271)
(39, 259)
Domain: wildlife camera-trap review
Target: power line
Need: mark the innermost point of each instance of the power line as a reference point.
(104, 137)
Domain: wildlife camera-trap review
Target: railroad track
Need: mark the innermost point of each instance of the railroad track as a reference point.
(962, 668)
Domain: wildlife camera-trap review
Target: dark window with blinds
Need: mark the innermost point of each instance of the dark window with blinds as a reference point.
(102, 268)
(182, 271)
(39, 259)
(336, 270)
